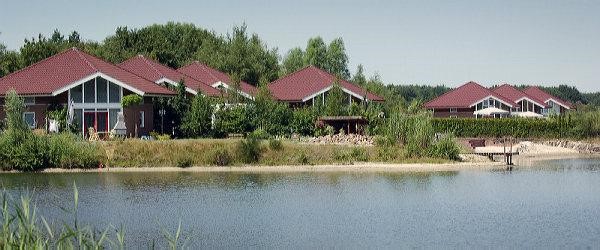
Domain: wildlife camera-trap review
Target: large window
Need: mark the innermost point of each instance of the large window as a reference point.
(77, 94)
(29, 118)
(101, 90)
(89, 91)
(97, 90)
(114, 93)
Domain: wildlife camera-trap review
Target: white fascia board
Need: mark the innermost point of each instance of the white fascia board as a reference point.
(92, 76)
(224, 85)
(345, 90)
(174, 83)
(488, 97)
(557, 102)
(532, 101)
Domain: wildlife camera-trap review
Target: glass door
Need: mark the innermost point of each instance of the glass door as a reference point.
(89, 121)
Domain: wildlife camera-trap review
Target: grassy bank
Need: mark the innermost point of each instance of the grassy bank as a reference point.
(229, 152)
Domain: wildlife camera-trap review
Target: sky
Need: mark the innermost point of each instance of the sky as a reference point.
(406, 42)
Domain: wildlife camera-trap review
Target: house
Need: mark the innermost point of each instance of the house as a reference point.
(469, 100)
(474, 100)
(216, 79)
(554, 104)
(527, 105)
(92, 87)
(166, 76)
(311, 84)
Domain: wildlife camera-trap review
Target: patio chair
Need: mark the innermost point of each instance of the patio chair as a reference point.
(93, 134)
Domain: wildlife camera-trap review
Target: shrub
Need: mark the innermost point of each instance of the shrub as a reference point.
(303, 159)
(232, 120)
(275, 145)
(249, 150)
(259, 134)
(68, 151)
(197, 121)
(303, 121)
(22, 150)
(359, 154)
(164, 137)
(446, 148)
(219, 156)
(329, 130)
(184, 161)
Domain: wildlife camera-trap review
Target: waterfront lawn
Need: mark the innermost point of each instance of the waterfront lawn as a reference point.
(227, 152)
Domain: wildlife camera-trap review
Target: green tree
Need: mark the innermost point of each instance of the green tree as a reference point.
(293, 61)
(316, 53)
(197, 122)
(336, 101)
(269, 115)
(337, 60)
(359, 77)
(14, 109)
(10, 61)
(180, 105)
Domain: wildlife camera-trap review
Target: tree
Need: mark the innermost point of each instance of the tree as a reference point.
(180, 105)
(293, 61)
(359, 77)
(197, 122)
(10, 61)
(337, 60)
(269, 115)
(335, 101)
(14, 109)
(316, 53)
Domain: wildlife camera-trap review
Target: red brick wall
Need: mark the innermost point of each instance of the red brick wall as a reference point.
(132, 117)
(39, 108)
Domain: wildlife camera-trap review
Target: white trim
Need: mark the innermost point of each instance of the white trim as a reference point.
(345, 90)
(225, 85)
(34, 121)
(92, 76)
(453, 110)
(557, 102)
(532, 101)
(488, 97)
(174, 83)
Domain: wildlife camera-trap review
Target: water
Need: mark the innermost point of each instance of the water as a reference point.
(553, 206)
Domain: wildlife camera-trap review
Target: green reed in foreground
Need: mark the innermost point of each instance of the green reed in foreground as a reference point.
(22, 228)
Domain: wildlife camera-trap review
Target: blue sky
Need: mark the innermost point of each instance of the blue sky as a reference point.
(406, 42)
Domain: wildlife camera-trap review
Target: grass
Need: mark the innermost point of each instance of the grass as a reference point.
(224, 152)
(23, 228)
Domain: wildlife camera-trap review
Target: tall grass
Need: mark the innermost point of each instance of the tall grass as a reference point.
(23, 228)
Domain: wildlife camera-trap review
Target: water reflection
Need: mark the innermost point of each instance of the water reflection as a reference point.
(528, 207)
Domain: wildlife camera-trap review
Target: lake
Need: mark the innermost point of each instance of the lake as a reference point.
(555, 205)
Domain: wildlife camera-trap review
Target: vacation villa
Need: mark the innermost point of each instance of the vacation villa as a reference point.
(474, 100)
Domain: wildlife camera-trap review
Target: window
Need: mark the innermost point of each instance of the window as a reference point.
(114, 93)
(29, 100)
(453, 116)
(29, 118)
(76, 94)
(89, 91)
(142, 119)
(101, 89)
(112, 117)
(453, 110)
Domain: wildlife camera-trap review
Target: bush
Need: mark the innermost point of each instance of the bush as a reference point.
(249, 150)
(303, 159)
(22, 150)
(516, 127)
(68, 151)
(329, 130)
(219, 156)
(259, 134)
(184, 162)
(275, 145)
(446, 148)
(359, 154)
(303, 121)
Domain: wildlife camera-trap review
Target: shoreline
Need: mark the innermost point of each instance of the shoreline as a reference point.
(357, 167)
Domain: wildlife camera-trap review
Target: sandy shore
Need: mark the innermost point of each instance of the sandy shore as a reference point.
(358, 167)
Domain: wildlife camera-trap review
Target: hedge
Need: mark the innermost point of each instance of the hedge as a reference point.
(516, 127)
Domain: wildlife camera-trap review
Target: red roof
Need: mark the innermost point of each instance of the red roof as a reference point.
(154, 71)
(543, 95)
(67, 67)
(465, 96)
(308, 81)
(211, 76)
(513, 94)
